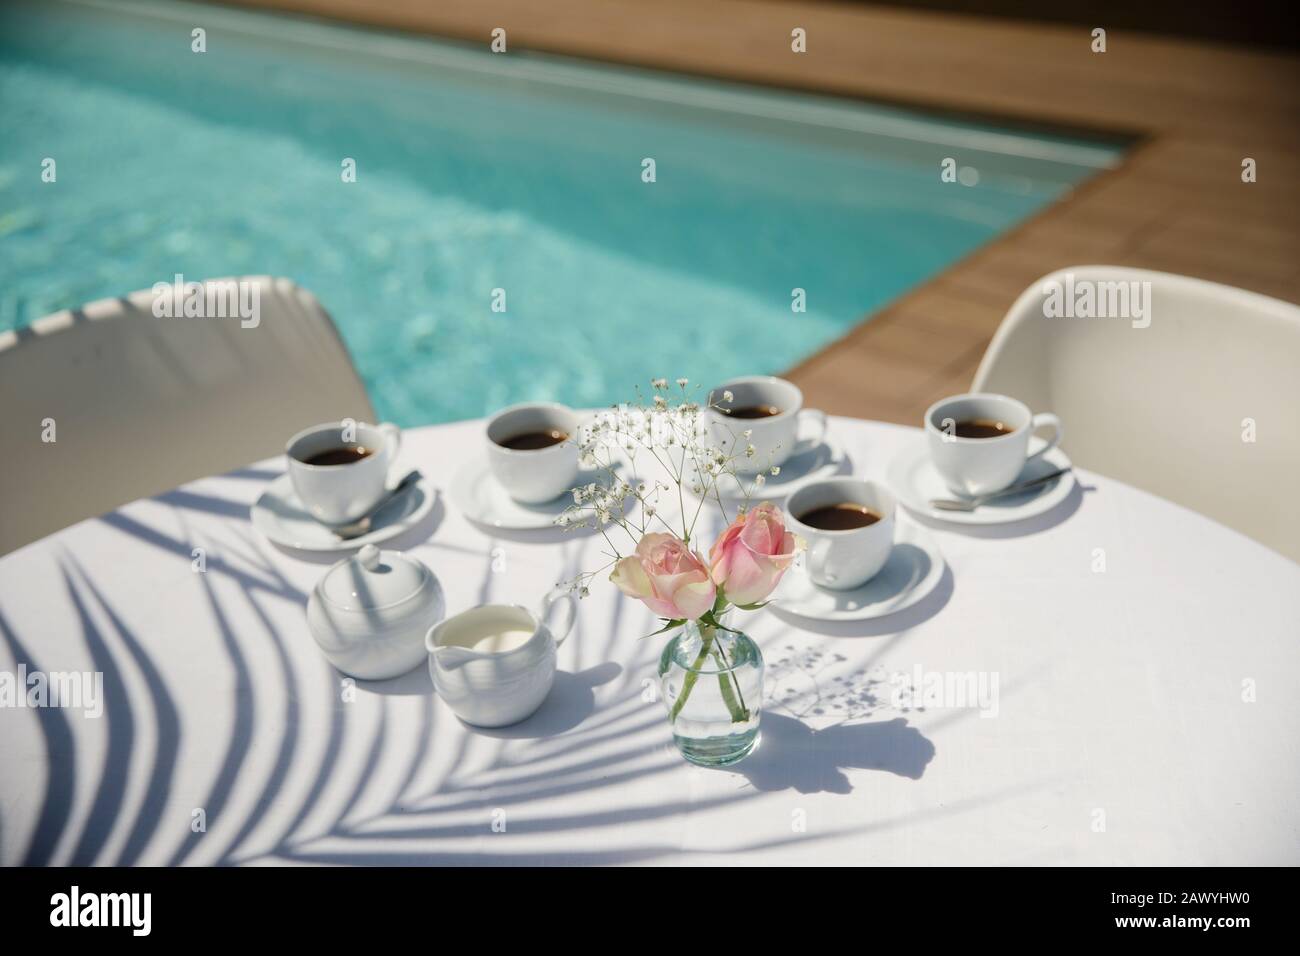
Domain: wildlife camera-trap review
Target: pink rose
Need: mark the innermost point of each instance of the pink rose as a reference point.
(750, 557)
(669, 577)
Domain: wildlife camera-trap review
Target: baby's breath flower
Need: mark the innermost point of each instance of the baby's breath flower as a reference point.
(750, 451)
(728, 397)
(682, 382)
(659, 382)
(776, 470)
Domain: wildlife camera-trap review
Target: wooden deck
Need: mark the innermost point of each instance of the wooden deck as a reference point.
(1177, 203)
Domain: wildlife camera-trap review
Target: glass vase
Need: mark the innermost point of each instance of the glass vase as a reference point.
(712, 683)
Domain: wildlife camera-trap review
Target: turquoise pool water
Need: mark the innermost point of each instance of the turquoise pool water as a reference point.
(478, 172)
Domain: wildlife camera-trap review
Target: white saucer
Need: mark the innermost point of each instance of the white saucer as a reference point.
(825, 461)
(913, 570)
(478, 496)
(913, 479)
(280, 516)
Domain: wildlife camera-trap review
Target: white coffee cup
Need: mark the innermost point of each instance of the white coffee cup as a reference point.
(847, 559)
(339, 494)
(774, 437)
(977, 466)
(536, 475)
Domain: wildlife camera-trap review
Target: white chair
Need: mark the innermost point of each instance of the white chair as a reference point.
(137, 403)
(1201, 406)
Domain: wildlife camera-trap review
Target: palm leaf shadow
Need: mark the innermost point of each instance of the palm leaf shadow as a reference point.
(166, 719)
(111, 789)
(61, 780)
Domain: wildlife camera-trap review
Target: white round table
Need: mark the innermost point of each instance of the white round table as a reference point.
(1145, 660)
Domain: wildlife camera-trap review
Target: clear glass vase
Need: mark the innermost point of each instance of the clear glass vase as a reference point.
(712, 684)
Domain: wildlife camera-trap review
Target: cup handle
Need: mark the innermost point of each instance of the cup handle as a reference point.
(805, 445)
(569, 614)
(815, 561)
(1058, 432)
(392, 441)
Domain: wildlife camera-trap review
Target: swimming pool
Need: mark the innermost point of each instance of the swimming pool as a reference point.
(478, 172)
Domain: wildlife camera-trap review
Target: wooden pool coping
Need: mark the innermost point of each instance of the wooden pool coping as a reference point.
(1176, 202)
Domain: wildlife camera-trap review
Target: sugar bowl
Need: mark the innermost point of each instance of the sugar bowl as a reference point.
(370, 613)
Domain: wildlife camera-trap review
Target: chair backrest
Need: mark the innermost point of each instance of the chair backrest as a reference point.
(136, 403)
(1192, 392)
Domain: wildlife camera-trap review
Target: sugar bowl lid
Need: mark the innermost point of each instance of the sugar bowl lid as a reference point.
(372, 579)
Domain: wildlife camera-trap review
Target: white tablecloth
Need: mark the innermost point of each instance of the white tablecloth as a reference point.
(1148, 701)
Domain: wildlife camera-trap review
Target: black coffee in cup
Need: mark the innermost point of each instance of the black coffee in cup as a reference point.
(753, 411)
(344, 455)
(840, 517)
(982, 428)
(535, 440)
